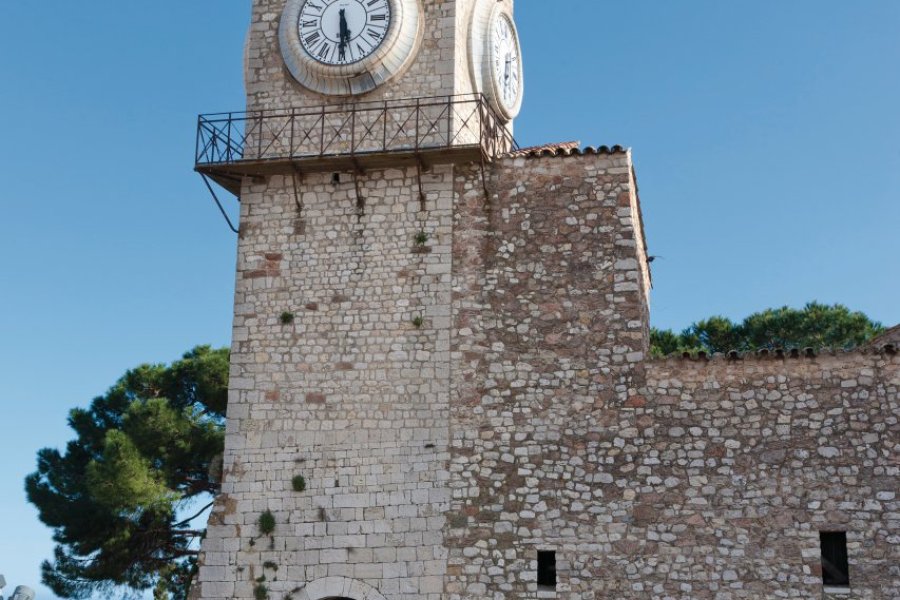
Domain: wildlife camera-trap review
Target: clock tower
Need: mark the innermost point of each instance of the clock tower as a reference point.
(394, 320)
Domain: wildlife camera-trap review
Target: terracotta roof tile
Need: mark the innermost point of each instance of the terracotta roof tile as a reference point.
(563, 149)
(889, 337)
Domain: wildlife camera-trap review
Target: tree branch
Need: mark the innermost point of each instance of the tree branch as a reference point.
(189, 519)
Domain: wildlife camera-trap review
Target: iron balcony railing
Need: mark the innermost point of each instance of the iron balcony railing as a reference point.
(367, 128)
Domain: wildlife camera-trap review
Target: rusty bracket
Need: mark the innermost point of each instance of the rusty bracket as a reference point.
(419, 168)
(484, 185)
(219, 204)
(297, 179)
(360, 199)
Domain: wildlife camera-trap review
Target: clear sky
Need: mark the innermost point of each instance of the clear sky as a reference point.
(766, 136)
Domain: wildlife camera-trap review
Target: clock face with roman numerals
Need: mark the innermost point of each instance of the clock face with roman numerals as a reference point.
(496, 57)
(343, 32)
(506, 67)
(349, 47)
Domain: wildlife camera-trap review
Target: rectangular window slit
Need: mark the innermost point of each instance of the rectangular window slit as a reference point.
(835, 569)
(546, 572)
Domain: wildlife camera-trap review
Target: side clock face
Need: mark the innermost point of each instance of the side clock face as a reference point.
(496, 57)
(506, 63)
(343, 32)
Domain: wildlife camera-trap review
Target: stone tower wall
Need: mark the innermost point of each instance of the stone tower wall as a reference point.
(550, 338)
(352, 395)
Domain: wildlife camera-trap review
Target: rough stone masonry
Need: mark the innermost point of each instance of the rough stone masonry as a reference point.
(424, 398)
(457, 403)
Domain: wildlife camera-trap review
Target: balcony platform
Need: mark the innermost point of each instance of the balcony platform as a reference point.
(230, 175)
(358, 137)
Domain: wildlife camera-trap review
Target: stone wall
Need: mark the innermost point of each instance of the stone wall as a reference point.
(650, 479)
(521, 412)
(742, 464)
(352, 394)
(549, 344)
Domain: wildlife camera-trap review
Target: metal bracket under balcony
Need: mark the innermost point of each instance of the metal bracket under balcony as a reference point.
(355, 137)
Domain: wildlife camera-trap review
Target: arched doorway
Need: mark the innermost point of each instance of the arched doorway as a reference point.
(338, 588)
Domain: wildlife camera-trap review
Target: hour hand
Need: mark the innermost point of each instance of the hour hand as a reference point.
(344, 33)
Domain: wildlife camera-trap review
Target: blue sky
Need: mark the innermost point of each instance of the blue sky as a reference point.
(766, 137)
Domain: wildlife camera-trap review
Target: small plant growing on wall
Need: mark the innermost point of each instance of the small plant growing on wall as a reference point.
(298, 483)
(261, 592)
(287, 318)
(418, 321)
(421, 238)
(267, 523)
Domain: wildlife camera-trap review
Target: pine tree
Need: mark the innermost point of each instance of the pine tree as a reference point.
(123, 496)
(815, 325)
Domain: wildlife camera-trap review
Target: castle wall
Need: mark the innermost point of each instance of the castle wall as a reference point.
(738, 465)
(650, 479)
(522, 412)
(710, 480)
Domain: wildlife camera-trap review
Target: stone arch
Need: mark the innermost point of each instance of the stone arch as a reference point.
(339, 588)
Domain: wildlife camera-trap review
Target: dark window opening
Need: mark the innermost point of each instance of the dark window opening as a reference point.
(546, 571)
(835, 570)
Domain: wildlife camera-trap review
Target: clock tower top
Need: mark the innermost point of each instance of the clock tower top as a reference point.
(303, 53)
(350, 85)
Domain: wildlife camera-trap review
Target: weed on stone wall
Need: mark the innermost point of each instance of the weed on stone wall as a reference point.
(266, 523)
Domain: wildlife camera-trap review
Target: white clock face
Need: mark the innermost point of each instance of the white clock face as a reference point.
(343, 32)
(504, 59)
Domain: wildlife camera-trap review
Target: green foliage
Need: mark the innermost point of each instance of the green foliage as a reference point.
(298, 483)
(421, 238)
(816, 325)
(270, 565)
(142, 451)
(266, 523)
(418, 321)
(260, 592)
(286, 318)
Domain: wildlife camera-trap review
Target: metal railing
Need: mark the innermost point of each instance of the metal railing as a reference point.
(412, 126)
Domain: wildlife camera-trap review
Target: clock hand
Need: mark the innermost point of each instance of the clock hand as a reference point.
(343, 36)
